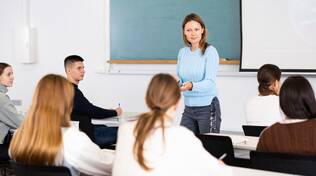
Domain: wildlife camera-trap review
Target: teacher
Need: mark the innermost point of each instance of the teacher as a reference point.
(197, 68)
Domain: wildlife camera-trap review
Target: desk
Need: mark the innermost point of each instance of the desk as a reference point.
(240, 171)
(240, 141)
(115, 121)
(242, 144)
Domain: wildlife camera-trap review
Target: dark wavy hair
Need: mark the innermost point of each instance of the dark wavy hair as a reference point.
(297, 99)
(266, 76)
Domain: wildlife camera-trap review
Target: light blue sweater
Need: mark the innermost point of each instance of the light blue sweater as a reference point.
(201, 70)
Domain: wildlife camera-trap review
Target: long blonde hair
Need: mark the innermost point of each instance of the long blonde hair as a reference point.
(39, 139)
(162, 93)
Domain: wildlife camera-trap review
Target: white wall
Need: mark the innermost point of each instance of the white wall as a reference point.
(67, 27)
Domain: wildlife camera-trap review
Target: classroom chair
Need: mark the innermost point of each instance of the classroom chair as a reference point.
(31, 170)
(4, 155)
(219, 145)
(253, 130)
(282, 162)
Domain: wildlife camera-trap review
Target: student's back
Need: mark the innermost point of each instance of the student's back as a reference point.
(152, 145)
(46, 136)
(181, 153)
(296, 133)
(264, 109)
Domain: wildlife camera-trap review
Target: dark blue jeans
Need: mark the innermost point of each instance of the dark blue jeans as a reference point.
(104, 135)
(202, 119)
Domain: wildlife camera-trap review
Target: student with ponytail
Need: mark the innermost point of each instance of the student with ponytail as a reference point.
(153, 145)
(264, 109)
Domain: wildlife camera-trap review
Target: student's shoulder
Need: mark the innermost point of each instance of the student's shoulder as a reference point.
(180, 131)
(74, 134)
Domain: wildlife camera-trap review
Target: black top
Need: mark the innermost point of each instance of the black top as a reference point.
(82, 106)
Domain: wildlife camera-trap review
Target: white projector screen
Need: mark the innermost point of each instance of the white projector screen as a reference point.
(280, 32)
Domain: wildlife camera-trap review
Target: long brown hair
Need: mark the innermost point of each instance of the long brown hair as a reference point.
(162, 93)
(267, 75)
(39, 139)
(195, 17)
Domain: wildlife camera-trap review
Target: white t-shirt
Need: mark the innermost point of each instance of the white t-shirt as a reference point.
(181, 154)
(263, 110)
(80, 154)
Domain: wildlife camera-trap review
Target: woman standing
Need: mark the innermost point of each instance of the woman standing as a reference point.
(197, 69)
(9, 117)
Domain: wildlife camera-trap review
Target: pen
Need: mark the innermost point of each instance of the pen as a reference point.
(119, 104)
(222, 157)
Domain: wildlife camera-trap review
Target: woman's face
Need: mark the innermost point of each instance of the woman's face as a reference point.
(193, 32)
(6, 78)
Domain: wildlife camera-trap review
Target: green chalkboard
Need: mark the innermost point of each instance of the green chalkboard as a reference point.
(151, 29)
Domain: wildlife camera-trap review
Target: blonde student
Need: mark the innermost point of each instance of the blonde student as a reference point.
(46, 136)
(153, 145)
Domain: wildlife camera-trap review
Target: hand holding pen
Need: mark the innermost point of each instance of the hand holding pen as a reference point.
(119, 110)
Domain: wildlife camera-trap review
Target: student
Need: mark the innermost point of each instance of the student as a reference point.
(296, 133)
(264, 109)
(197, 68)
(47, 138)
(75, 72)
(9, 117)
(152, 145)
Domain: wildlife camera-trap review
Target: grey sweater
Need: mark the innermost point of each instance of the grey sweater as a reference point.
(9, 117)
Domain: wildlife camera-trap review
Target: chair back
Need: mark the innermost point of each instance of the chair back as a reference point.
(218, 145)
(253, 130)
(281, 162)
(30, 170)
(85, 124)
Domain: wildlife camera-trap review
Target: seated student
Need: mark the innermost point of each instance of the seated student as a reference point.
(296, 133)
(152, 145)
(47, 138)
(9, 117)
(264, 109)
(75, 72)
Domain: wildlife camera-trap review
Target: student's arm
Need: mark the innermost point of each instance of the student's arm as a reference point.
(85, 156)
(211, 68)
(82, 106)
(9, 115)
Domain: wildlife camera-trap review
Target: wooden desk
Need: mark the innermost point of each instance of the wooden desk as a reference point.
(115, 121)
(240, 171)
